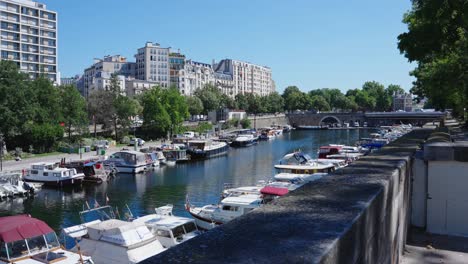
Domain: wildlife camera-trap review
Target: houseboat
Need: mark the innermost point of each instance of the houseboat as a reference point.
(27, 240)
(205, 149)
(52, 174)
(128, 161)
(169, 229)
(210, 216)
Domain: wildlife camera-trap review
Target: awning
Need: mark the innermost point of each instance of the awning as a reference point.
(19, 227)
(274, 190)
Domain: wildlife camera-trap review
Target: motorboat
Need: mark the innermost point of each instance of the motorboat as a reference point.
(27, 240)
(300, 163)
(169, 229)
(127, 161)
(96, 172)
(152, 160)
(210, 216)
(204, 149)
(113, 240)
(244, 140)
(267, 134)
(287, 128)
(175, 152)
(236, 191)
(52, 174)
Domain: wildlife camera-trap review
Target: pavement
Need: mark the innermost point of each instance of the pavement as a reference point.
(11, 165)
(430, 248)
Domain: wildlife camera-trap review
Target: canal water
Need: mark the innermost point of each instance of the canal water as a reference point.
(203, 181)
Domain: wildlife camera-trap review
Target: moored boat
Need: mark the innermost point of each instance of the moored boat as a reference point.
(52, 174)
(24, 239)
(204, 149)
(128, 161)
(244, 140)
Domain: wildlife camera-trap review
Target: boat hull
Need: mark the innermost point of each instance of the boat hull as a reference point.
(197, 155)
(66, 182)
(204, 223)
(241, 144)
(131, 169)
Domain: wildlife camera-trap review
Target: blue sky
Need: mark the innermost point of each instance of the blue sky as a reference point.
(307, 43)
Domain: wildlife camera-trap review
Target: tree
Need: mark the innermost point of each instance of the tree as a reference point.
(125, 109)
(319, 103)
(176, 107)
(245, 123)
(210, 97)
(376, 91)
(242, 102)
(73, 107)
(227, 102)
(364, 101)
(101, 107)
(437, 39)
(294, 99)
(274, 103)
(156, 120)
(195, 105)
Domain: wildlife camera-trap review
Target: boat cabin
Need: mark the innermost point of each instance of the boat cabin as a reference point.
(324, 151)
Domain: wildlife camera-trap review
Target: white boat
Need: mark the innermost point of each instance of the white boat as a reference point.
(244, 140)
(169, 229)
(112, 240)
(128, 161)
(300, 163)
(52, 174)
(210, 216)
(27, 240)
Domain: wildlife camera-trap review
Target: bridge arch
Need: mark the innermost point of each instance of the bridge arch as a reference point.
(327, 120)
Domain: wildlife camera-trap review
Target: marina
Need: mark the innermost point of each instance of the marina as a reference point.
(202, 180)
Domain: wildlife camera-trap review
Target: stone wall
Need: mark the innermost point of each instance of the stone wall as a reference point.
(268, 120)
(358, 215)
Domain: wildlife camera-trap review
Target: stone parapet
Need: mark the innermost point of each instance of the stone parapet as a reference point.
(360, 214)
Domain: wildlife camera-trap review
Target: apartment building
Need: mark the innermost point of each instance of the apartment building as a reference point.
(403, 102)
(28, 33)
(134, 87)
(97, 76)
(246, 77)
(176, 70)
(152, 64)
(196, 76)
(224, 83)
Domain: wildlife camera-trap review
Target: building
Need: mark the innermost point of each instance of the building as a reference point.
(70, 80)
(402, 102)
(134, 87)
(224, 83)
(97, 76)
(29, 37)
(195, 76)
(152, 64)
(246, 77)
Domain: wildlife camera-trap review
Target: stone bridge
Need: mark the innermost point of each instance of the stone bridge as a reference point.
(371, 118)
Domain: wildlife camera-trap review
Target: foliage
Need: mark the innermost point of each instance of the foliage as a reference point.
(203, 127)
(125, 109)
(73, 107)
(156, 120)
(210, 97)
(195, 105)
(437, 39)
(245, 123)
(44, 136)
(176, 107)
(234, 122)
(319, 103)
(101, 107)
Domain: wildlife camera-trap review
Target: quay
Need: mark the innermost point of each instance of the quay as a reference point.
(360, 214)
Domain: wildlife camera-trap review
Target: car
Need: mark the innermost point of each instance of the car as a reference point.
(139, 141)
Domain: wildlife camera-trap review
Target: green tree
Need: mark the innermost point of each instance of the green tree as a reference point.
(294, 99)
(245, 123)
(195, 105)
(73, 107)
(227, 102)
(364, 101)
(176, 107)
(210, 97)
(376, 91)
(156, 120)
(242, 102)
(319, 103)
(125, 109)
(101, 108)
(274, 103)
(437, 39)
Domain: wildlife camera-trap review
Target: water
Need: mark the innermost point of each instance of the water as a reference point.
(203, 180)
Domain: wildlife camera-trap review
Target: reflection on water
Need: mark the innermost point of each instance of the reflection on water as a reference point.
(202, 180)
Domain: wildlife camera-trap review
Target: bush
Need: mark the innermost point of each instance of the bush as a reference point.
(234, 122)
(245, 123)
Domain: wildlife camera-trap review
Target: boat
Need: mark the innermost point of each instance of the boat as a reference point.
(236, 191)
(152, 160)
(287, 128)
(169, 229)
(52, 174)
(244, 141)
(325, 151)
(205, 149)
(312, 127)
(175, 152)
(113, 240)
(29, 240)
(128, 161)
(300, 163)
(267, 134)
(210, 216)
(95, 172)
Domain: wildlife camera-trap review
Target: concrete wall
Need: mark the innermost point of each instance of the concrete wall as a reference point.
(358, 215)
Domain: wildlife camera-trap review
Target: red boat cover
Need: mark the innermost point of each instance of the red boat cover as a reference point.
(19, 227)
(274, 190)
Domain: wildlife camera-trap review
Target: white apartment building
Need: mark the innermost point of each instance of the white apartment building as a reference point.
(152, 64)
(97, 76)
(195, 76)
(28, 35)
(246, 77)
(402, 102)
(224, 83)
(134, 87)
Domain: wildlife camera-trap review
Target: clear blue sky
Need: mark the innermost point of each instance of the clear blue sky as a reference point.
(311, 44)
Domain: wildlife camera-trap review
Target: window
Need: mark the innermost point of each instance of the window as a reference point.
(52, 240)
(230, 208)
(17, 249)
(36, 244)
(57, 175)
(3, 251)
(45, 174)
(163, 233)
(34, 171)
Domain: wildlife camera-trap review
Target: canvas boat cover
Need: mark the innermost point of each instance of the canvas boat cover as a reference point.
(274, 190)
(20, 227)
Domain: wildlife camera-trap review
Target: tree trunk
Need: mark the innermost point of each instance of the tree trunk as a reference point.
(115, 130)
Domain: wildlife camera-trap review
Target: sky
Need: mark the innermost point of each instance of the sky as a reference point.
(308, 43)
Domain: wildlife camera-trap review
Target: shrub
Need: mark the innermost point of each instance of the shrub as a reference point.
(245, 123)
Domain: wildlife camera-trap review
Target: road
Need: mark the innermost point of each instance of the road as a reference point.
(25, 163)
